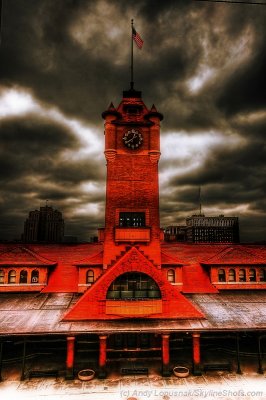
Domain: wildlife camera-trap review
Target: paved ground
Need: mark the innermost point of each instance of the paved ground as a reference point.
(213, 385)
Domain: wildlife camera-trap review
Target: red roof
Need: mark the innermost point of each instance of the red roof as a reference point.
(19, 254)
(167, 259)
(64, 278)
(237, 255)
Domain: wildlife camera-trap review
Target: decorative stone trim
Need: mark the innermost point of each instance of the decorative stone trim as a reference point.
(110, 154)
(154, 156)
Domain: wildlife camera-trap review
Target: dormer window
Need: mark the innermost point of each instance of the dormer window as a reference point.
(23, 276)
(35, 276)
(12, 276)
(252, 275)
(242, 275)
(262, 275)
(221, 275)
(2, 276)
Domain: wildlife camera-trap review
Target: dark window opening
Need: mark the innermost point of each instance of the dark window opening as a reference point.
(171, 275)
(12, 276)
(90, 276)
(35, 276)
(2, 276)
(232, 275)
(132, 219)
(252, 275)
(133, 286)
(262, 275)
(221, 275)
(242, 275)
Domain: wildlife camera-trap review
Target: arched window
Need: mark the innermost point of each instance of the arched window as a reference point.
(221, 275)
(171, 275)
(2, 276)
(262, 275)
(242, 275)
(12, 276)
(35, 276)
(90, 276)
(252, 275)
(23, 276)
(232, 275)
(133, 286)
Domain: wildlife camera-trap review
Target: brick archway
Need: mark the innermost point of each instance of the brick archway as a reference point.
(136, 262)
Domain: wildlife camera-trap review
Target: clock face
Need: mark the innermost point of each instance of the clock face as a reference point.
(132, 139)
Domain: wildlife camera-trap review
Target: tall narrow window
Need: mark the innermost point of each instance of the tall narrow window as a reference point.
(171, 275)
(12, 276)
(252, 275)
(23, 276)
(2, 276)
(262, 275)
(242, 275)
(221, 275)
(90, 276)
(35, 276)
(232, 275)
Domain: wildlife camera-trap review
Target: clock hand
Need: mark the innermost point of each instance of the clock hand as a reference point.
(130, 140)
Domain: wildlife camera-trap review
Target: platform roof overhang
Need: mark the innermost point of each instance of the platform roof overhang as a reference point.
(41, 314)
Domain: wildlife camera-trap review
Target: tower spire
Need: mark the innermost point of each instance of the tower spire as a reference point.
(199, 200)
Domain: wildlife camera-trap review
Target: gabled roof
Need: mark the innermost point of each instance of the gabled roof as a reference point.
(90, 305)
(236, 255)
(167, 259)
(196, 280)
(21, 255)
(96, 259)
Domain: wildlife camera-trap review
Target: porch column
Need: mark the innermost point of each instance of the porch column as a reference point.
(22, 377)
(102, 357)
(238, 370)
(70, 357)
(196, 354)
(165, 355)
(260, 369)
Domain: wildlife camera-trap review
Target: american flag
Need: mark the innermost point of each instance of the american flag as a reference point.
(137, 38)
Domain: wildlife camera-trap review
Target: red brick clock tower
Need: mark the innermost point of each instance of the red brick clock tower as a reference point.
(132, 151)
(131, 283)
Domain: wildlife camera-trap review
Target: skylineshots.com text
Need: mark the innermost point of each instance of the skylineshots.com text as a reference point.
(168, 394)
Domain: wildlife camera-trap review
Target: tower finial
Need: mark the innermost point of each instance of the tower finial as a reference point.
(199, 200)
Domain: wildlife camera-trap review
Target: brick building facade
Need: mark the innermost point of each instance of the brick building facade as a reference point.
(130, 291)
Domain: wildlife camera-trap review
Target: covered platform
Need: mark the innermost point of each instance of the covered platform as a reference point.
(34, 321)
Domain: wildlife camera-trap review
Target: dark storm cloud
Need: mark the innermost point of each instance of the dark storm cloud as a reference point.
(30, 145)
(202, 64)
(33, 168)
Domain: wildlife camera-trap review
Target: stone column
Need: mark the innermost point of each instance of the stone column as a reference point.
(260, 355)
(238, 370)
(165, 355)
(102, 357)
(70, 357)
(22, 377)
(196, 354)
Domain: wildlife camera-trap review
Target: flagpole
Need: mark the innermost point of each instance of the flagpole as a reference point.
(131, 68)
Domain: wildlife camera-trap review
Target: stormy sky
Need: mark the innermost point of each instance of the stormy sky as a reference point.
(203, 65)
